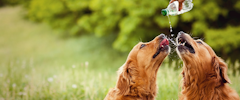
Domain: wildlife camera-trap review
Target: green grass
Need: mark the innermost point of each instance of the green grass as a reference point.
(37, 63)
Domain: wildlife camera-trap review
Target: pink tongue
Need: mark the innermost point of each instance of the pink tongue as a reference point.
(164, 42)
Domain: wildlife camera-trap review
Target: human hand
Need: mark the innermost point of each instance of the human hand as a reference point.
(180, 3)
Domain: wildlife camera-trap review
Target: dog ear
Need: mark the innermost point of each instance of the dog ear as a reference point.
(123, 82)
(221, 70)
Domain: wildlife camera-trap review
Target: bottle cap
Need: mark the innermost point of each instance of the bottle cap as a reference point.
(164, 12)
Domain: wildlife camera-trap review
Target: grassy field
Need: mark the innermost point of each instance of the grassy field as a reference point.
(37, 63)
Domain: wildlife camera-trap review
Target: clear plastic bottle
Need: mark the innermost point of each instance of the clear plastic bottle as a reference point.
(173, 7)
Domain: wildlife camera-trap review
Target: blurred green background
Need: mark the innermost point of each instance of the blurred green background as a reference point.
(71, 49)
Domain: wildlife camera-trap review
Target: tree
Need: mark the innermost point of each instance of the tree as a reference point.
(215, 20)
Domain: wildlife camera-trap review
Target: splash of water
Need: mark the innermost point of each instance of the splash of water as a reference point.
(171, 40)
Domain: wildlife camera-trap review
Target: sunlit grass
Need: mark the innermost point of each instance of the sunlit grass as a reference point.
(36, 63)
(58, 82)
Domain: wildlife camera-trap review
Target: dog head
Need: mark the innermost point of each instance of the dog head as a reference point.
(201, 64)
(140, 69)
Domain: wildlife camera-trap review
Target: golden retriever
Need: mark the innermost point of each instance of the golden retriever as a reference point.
(204, 73)
(137, 76)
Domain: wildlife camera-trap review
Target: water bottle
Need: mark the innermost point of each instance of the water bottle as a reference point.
(173, 7)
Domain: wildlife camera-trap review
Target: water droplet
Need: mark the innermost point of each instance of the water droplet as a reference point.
(170, 25)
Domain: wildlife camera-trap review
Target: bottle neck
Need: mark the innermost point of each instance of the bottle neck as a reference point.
(165, 12)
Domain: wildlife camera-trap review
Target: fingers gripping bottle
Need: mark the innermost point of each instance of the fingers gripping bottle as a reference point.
(173, 7)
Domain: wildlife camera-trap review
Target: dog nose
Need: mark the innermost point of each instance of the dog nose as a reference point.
(162, 36)
(180, 33)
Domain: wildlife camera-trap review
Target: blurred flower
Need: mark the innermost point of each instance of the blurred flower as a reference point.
(22, 93)
(25, 88)
(86, 63)
(74, 86)
(54, 76)
(1, 75)
(73, 66)
(26, 76)
(14, 85)
(50, 79)
(2, 98)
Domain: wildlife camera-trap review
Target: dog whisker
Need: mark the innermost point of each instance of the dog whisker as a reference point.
(140, 39)
(202, 39)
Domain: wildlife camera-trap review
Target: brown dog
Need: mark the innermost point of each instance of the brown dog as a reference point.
(137, 76)
(204, 73)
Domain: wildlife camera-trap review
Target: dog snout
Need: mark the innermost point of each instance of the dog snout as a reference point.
(162, 36)
(180, 33)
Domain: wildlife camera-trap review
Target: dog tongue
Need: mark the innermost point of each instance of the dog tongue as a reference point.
(164, 42)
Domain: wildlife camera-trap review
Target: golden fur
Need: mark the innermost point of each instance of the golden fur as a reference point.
(204, 73)
(137, 76)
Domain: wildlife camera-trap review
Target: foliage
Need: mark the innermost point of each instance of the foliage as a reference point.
(225, 39)
(134, 20)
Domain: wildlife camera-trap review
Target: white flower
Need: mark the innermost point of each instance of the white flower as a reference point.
(74, 86)
(73, 66)
(50, 79)
(22, 93)
(26, 76)
(14, 85)
(25, 88)
(54, 76)
(86, 63)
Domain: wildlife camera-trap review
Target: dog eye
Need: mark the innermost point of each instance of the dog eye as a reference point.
(143, 45)
(199, 42)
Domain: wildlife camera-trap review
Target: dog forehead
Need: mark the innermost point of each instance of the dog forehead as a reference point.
(208, 48)
(133, 53)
